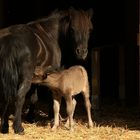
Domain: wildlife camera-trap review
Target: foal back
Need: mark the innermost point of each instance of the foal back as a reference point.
(75, 79)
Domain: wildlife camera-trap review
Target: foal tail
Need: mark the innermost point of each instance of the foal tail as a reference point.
(85, 79)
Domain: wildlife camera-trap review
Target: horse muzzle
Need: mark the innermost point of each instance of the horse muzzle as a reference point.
(81, 53)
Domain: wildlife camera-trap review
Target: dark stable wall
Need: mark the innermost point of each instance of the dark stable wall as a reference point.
(108, 16)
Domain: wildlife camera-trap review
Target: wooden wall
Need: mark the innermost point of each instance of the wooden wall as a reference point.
(124, 79)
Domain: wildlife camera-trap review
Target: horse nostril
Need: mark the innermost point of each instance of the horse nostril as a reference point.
(85, 50)
(77, 50)
(81, 51)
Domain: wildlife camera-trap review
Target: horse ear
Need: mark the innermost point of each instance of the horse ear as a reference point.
(66, 18)
(90, 12)
(71, 8)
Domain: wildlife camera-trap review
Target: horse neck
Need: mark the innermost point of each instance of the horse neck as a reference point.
(51, 32)
(47, 26)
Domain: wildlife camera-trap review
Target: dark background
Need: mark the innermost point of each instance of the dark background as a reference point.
(108, 15)
(115, 22)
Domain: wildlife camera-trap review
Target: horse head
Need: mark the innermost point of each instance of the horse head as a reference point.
(80, 28)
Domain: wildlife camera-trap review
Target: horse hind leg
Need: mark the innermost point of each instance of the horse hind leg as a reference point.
(24, 87)
(4, 119)
(34, 98)
(88, 108)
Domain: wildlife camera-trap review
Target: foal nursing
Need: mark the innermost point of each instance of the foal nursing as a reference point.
(67, 83)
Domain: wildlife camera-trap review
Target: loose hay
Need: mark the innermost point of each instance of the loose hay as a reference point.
(113, 123)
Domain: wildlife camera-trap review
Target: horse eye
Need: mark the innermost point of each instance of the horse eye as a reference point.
(72, 30)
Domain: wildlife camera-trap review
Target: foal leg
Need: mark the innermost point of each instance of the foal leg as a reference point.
(4, 119)
(74, 105)
(69, 105)
(56, 108)
(88, 109)
(24, 87)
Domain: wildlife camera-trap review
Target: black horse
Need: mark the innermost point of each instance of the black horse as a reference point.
(30, 49)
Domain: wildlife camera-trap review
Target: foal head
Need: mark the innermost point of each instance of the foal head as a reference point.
(80, 28)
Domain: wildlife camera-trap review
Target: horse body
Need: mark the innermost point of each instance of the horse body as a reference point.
(30, 49)
(74, 31)
(17, 66)
(23, 52)
(68, 83)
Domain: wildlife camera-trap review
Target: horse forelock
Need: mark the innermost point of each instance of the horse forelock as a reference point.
(64, 22)
(80, 21)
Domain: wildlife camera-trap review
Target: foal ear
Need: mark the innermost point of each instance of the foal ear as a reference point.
(90, 12)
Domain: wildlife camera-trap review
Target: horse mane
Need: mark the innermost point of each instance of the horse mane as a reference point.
(63, 19)
(53, 15)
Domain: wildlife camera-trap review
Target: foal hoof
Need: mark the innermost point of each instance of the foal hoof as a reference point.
(54, 128)
(90, 125)
(67, 126)
(71, 129)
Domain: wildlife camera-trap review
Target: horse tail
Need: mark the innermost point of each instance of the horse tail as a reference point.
(9, 71)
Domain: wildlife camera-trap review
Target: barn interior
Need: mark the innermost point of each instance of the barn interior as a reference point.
(113, 42)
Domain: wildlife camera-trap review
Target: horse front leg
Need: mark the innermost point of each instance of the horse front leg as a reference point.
(56, 108)
(24, 87)
(4, 119)
(34, 98)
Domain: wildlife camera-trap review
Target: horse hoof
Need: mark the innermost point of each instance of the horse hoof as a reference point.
(4, 130)
(19, 131)
(29, 119)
